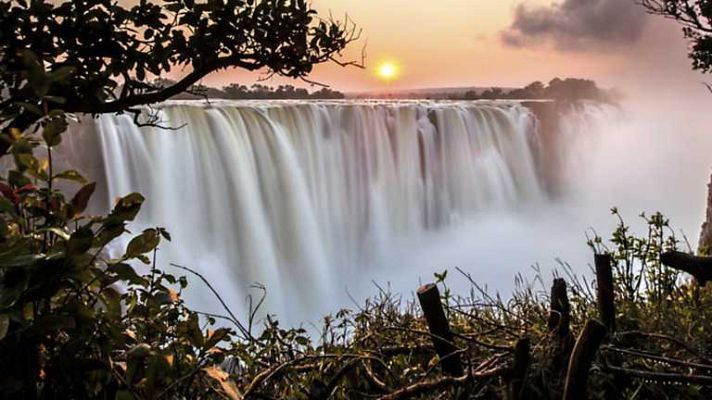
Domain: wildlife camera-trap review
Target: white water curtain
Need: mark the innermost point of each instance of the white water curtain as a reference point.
(291, 194)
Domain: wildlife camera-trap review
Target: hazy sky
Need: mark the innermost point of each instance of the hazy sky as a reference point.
(504, 42)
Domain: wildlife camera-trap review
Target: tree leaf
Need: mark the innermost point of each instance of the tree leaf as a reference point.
(31, 108)
(80, 241)
(61, 73)
(56, 99)
(126, 273)
(223, 378)
(143, 243)
(37, 79)
(126, 208)
(164, 233)
(81, 199)
(216, 337)
(59, 232)
(52, 131)
(71, 175)
(6, 206)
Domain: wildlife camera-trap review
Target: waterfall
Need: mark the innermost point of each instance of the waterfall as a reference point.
(294, 195)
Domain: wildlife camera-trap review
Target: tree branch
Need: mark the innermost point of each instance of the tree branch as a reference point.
(699, 267)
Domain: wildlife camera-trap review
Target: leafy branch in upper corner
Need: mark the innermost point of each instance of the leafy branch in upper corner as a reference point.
(695, 17)
(101, 56)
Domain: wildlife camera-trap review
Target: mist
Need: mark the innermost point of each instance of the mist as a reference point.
(655, 156)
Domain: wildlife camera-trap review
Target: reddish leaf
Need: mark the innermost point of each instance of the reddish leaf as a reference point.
(81, 199)
(223, 378)
(27, 188)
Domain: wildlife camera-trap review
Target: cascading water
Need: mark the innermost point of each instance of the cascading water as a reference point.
(298, 195)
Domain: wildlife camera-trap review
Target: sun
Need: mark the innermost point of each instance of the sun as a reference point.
(387, 71)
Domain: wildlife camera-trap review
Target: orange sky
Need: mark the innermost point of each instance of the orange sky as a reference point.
(458, 43)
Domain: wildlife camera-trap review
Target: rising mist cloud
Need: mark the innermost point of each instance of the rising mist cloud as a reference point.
(577, 24)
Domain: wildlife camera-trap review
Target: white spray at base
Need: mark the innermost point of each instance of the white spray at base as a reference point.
(312, 199)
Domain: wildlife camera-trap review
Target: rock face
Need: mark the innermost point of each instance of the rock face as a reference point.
(705, 243)
(548, 116)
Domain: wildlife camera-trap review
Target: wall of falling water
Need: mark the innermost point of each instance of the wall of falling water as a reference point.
(297, 195)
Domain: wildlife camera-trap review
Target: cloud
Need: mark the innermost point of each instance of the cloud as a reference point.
(576, 24)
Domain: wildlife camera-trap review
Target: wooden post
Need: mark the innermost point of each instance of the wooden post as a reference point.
(607, 312)
(605, 291)
(429, 297)
(519, 369)
(580, 363)
(562, 341)
(560, 309)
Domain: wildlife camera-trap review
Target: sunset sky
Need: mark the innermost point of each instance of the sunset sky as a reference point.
(503, 42)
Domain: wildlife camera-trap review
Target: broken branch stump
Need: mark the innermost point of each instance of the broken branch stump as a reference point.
(582, 357)
(429, 297)
(699, 267)
(518, 376)
(605, 291)
(560, 309)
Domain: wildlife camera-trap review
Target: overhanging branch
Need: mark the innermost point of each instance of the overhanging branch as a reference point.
(699, 267)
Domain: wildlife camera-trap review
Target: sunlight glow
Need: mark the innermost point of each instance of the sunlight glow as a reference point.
(387, 71)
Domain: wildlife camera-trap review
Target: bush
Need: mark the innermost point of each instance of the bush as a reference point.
(74, 324)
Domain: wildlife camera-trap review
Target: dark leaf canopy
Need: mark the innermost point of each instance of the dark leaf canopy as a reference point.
(695, 16)
(98, 56)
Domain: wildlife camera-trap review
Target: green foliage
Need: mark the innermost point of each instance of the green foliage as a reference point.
(74, 324)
